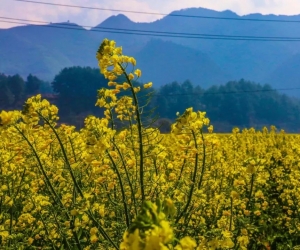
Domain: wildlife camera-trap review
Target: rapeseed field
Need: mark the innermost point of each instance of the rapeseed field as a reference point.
(135, 188)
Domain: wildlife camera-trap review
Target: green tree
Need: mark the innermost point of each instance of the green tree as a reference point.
(237, 103)
(77, 88)
(6, 96)
(247, 104)
(33, 85)
(16, 85)
(174, 97)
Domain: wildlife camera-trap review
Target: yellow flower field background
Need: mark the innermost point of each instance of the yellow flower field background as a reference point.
(135, 188)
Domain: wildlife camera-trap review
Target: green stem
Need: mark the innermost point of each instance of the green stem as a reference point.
(20, 185)
(105, 235)
(10, 224)
(42, 168)
(122, 189)
(180, 175)
(108, 196)
(139, 122)
(251, 190)
(64, 154)
(128, 178)
(64, 237)
(44, 224)
(135, 154)
(193, 182)
(76, 239)
(203, 160)
(73, 150)
(231, 209)
(58, 201)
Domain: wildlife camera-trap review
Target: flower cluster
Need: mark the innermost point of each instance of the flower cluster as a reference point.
(190, 121)
(101, 187)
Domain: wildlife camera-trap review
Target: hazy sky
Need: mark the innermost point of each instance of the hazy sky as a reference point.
(23, 10)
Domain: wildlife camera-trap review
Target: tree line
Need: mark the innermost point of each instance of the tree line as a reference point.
(14, 90)
(237, 103)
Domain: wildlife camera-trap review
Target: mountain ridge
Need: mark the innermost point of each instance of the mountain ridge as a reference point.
(45, 51)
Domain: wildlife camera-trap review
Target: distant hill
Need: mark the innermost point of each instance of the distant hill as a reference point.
(44, 51)
(178, 63)
(287, 75)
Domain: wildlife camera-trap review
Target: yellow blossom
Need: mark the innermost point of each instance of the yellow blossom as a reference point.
(138, 72)
(30, 240)
(148, 85)
(186, 243)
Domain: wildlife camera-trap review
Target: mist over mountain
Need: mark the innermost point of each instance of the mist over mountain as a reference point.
(178, 63)
(287, 75)
(44, 50)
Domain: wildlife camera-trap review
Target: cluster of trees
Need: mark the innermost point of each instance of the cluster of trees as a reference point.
(76, 91)
(237, 103)
(14, 89)
(76, 88)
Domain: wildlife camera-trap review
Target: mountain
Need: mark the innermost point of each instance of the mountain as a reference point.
(287, 75)
(44, 50)
(131, 43)
(177, 63)
(241, 59)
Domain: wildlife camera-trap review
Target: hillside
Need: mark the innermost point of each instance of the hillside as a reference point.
(44, 51)
(178, 63)
(287, 75)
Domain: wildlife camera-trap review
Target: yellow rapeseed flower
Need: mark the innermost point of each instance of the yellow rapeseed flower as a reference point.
(5, 117)
(138, 72)
(148, 85)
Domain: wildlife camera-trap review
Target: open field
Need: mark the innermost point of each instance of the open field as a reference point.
(139, 189)
(60, 186)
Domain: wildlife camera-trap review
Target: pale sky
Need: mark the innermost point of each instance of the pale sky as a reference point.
(40, 12)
